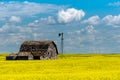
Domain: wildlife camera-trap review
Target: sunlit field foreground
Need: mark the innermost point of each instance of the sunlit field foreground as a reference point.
(66, 67)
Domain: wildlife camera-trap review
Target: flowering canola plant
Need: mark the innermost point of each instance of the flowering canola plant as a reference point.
(66, 67)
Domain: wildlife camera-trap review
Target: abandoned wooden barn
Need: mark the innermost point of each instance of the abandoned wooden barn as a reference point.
(35, 50)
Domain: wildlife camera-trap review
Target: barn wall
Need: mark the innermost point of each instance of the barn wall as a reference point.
(52, 51)
(24, 53)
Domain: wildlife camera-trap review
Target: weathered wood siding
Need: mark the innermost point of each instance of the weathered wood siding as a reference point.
(37, 50)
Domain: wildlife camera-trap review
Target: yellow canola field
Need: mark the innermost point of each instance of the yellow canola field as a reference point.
(66, 67)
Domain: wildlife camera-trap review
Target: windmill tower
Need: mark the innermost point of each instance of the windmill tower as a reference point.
(62, 44)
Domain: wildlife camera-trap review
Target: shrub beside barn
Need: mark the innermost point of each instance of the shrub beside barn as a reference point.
(35, 50)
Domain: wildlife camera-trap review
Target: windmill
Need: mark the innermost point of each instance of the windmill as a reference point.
(61, 35)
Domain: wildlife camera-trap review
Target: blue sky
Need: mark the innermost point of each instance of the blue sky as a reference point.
(88, 26)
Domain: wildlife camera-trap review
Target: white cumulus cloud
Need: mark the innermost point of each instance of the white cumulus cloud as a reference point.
(49, 20)
(15, 19)
(94, 20)
(111, 20)
(71, 14)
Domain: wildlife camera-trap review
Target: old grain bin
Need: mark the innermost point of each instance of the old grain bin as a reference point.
(35, 50)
